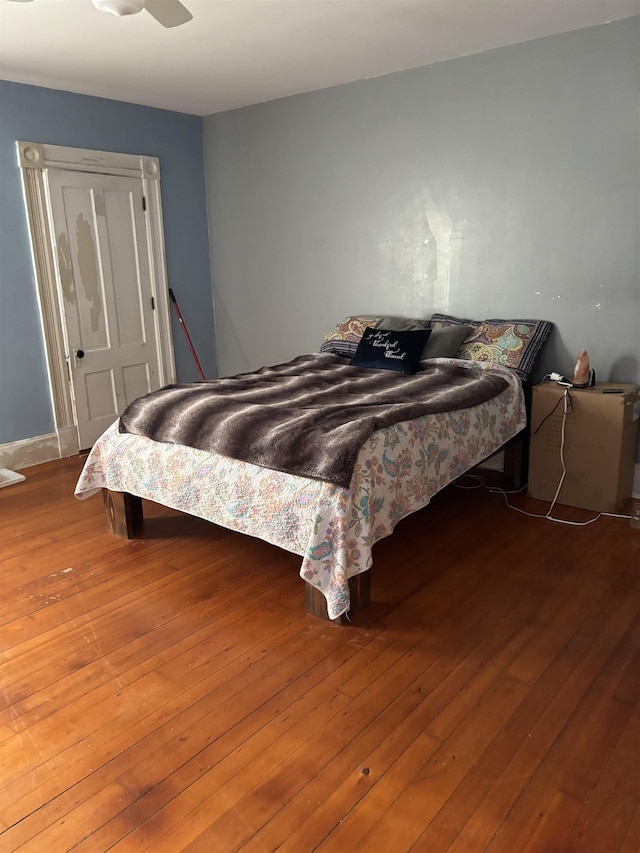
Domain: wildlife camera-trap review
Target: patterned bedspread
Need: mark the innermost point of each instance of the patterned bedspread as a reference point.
(398, 470)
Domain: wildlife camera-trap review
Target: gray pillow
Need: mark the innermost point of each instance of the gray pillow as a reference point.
(399, 324)
(445, 342)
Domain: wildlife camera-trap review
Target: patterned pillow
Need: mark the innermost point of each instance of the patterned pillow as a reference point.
(512, 343)
(386, 349)
(344, 338)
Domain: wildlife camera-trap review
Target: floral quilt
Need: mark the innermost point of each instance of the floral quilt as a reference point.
(398, 470)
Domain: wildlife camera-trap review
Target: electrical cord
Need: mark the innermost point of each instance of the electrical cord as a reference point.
(566, 396)
(567, 410)
(557, 377)
(494, 490)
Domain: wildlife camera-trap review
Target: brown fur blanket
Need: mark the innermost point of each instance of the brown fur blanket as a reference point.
(309, 416)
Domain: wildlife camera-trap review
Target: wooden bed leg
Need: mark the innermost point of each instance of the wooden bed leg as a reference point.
(124, 513)
(516, 461)
(359, 593)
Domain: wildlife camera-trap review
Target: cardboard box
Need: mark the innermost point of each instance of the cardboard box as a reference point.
(599, 450)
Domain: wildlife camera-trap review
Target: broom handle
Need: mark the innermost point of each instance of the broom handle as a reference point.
(186, 333)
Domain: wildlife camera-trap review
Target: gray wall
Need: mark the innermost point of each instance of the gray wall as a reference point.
(505, 184)
(60, 118)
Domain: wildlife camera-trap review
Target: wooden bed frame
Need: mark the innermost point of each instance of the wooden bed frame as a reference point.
(125, 518)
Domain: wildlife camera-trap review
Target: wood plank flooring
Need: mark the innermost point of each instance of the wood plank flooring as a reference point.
(170, 693)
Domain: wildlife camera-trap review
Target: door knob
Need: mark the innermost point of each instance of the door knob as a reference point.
(79, 353)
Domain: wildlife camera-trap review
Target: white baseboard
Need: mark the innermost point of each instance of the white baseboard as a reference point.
(39, 449)
(68, 441)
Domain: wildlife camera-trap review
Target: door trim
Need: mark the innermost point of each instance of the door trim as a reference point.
(33, 159)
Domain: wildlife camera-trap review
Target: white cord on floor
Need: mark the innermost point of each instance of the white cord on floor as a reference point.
(548, 515)
(494, 490)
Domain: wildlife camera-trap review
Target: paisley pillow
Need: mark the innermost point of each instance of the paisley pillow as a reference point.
(344, 338)
(512, 343)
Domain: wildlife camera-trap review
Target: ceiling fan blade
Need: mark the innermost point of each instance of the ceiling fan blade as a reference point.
(169, 13)
(119, 7)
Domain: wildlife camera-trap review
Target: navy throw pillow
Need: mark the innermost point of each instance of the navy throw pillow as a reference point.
(388, 350)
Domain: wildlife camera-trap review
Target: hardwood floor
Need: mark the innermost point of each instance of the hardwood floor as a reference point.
(170, 694)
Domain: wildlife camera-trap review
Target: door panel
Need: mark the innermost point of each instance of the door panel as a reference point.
(106, 294)
(100, 393)
(136, 380)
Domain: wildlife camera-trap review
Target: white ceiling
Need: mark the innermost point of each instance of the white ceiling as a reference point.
(239, 52)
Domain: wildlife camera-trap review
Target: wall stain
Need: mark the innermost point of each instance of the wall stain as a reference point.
(88, 266)
(423, 251)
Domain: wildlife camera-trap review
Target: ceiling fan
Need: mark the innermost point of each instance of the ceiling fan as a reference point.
(169, 13)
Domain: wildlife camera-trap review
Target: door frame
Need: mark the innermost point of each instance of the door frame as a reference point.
(33, 159)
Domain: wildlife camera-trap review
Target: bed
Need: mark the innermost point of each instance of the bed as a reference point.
(397, 469)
